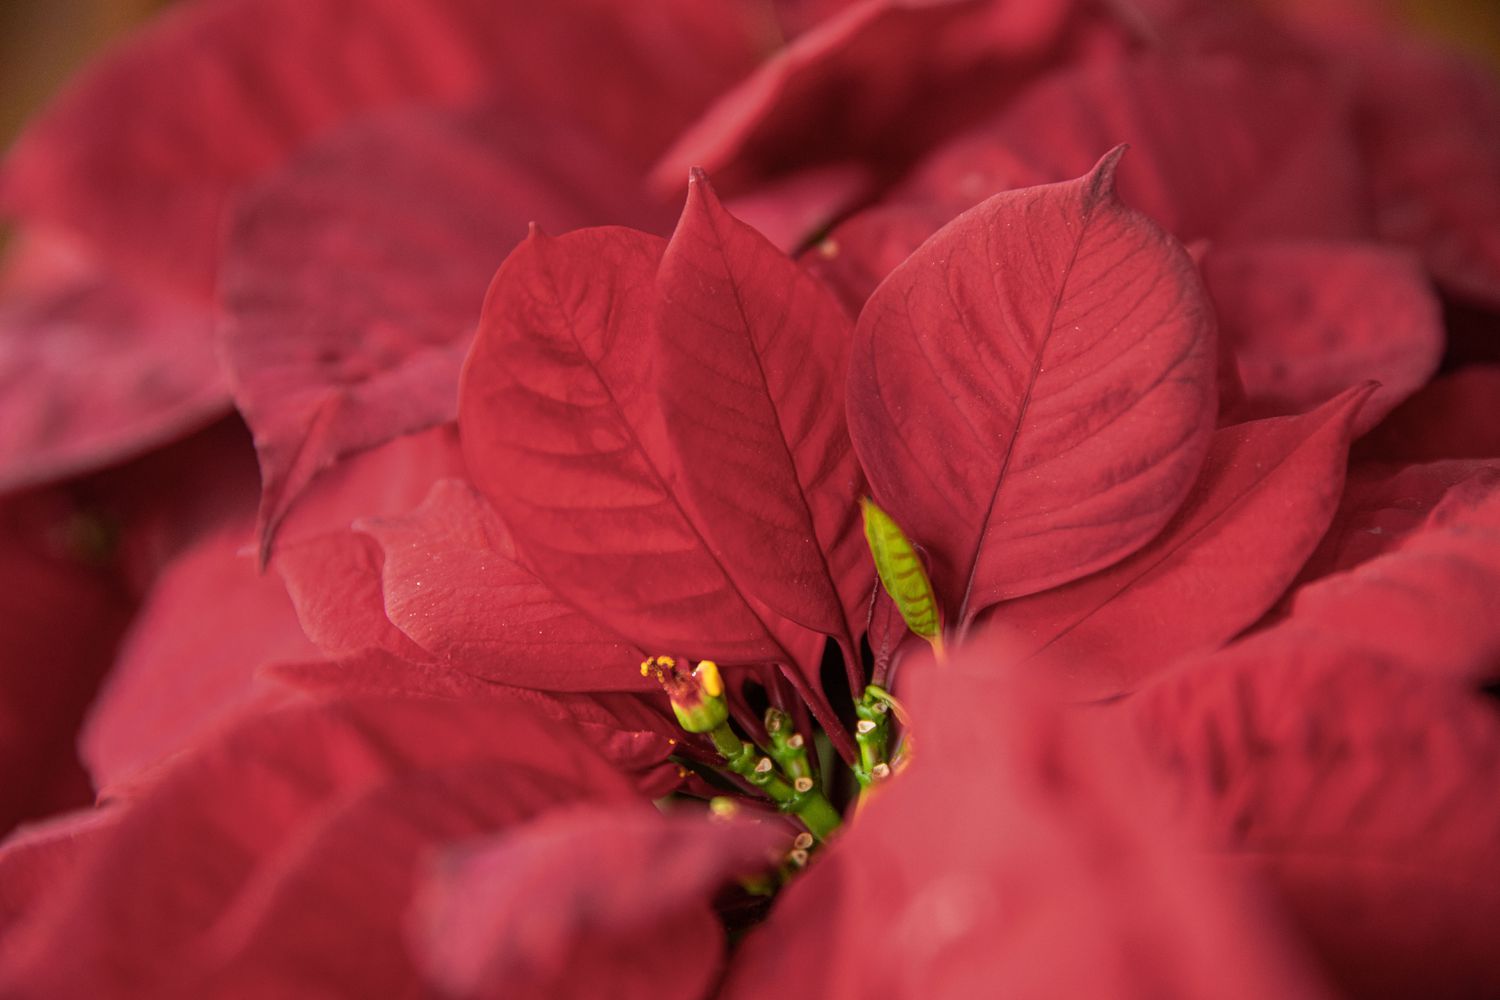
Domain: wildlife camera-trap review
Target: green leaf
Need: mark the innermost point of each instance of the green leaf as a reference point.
(902, 573)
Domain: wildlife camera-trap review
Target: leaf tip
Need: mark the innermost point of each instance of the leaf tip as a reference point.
(535, 233)
(701, 192)
(1101, 180)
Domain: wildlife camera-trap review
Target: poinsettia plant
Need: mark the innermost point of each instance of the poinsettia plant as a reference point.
(987, 497)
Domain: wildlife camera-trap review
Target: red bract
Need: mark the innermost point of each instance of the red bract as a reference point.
(35, 860)
(1438, 581)
(563, 433)
(1267, 492)
(222, 875)
(1426, 129)
(1101, 442)
(1224, 149)
(190, 659)
(353, 303)
(1032, 392)
(1305, 321)
(764, 348)
(1383, 504)
(167, 134)
(1449, 418)
(92, 369)
(1360, 791)
(452, 584)
(627, 911)
(1054, 873)
(165, 114)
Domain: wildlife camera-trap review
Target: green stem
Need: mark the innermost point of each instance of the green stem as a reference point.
(744, 759)
(872, 733)
(788, 748)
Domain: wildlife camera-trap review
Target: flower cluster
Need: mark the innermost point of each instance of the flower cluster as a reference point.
(939, 499)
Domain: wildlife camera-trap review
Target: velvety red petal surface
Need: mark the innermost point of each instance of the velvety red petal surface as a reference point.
(752, 355)
(635, 733)
(1308, 320)
(159, 137)
(94, 370)
(1053, 873)
(561, 433)
(1221, 148)
(353, 278)
(332, 573)
(1451, 417)
(1267, 492)
(451, 583)
(35, 858)
(1363, 792)
(1383, 504)
(876, 84)
(1431, 603)
(334, 582)
(1032, 392)
(189, 659)
(1427, 127)
(286, 819)
(627, 914)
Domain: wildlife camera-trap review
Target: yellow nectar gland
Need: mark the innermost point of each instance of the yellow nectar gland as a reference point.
(709, 679)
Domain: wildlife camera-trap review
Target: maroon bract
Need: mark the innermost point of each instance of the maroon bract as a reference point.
(1056, 873)
(452, 584)
(93, 369)
(351, 302)
(189, 661)
(1306, 321)
(752, 353)
(1267, 492)
(1359, 790)
(1032, 392)
(541, 702)
(221, 874)
(628, 912)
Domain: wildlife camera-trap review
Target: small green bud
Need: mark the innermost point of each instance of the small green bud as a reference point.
(902, 574)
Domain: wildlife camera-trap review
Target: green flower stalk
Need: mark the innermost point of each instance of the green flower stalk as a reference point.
(698, 701)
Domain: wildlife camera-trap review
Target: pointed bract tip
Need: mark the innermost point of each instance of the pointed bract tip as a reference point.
(700, 190)
(1101, 179)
